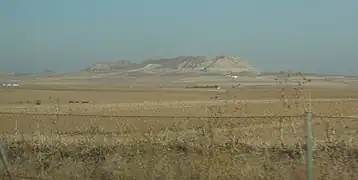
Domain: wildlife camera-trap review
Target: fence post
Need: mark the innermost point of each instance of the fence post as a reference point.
(309, 149)
(4, 160)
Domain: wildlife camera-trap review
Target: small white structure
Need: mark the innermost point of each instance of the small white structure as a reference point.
(10, 85)
(232, 77)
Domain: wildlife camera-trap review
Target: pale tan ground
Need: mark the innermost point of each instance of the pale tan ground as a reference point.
(55, 128)
(120, 101)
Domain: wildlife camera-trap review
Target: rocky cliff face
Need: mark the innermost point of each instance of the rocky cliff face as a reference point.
(180, 64)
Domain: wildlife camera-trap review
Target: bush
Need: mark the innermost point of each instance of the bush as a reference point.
(38, 102)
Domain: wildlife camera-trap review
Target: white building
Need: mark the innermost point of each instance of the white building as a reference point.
(10, 85)
(232, 77)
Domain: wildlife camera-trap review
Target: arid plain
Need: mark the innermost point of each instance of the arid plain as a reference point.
(168, 130)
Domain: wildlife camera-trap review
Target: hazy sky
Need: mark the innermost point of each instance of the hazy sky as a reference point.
(67, 35)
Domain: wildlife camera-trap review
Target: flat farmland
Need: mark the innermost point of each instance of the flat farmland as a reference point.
(194, 129)
(114, 109)
(260, 100)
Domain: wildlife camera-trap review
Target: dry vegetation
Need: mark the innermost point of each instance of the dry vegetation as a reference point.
(105, 139)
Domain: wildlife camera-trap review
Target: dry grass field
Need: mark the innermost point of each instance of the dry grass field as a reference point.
(175, 133)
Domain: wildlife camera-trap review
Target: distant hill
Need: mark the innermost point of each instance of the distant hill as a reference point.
(3, 74)
(48, 71)
(180, 64)
(112, 66)
(45, 73)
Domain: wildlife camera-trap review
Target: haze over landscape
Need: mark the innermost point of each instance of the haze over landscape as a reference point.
(65, 36)
(176, 90)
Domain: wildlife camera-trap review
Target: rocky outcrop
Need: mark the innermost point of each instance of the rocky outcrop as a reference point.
(180, 64)
(212, 64)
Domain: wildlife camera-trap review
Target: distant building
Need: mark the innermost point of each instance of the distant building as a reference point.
(10, 85)
(232, 77)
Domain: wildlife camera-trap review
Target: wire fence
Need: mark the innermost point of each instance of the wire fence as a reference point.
(144, 116)
(282, 128)
(165, 116)
(82, 124)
